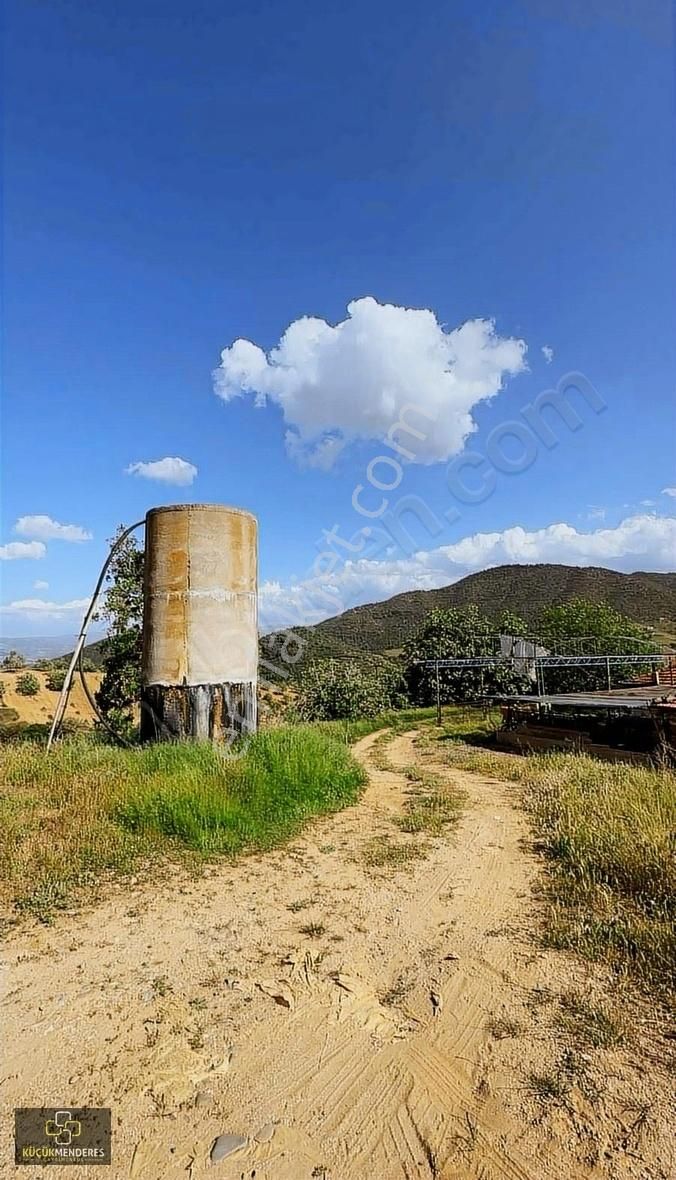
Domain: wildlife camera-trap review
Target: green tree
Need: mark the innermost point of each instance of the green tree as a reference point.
(460, 634)
(580, 627)
(13, 661)
(120, 687)
(55, 678)
(511, 624)
(333, 689)
(45, 665)
(27, 685)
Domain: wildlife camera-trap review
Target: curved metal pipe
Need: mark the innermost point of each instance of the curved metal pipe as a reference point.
(68, 680)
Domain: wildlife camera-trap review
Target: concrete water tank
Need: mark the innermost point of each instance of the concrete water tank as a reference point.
(200, 626)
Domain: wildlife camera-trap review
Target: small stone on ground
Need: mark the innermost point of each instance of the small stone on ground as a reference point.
(227, 1145)
(264, 1135)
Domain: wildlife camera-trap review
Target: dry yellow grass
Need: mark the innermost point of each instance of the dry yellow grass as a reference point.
(40, 708)
(607, 830)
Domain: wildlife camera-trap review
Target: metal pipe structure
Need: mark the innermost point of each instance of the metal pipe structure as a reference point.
(546, 661)
(62, 702)
(200, 636)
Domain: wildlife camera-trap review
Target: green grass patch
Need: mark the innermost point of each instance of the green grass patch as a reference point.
(591, 1025)
(395, 720)
(286, 776)
(431, 806)
(85, 811)
(383, 853)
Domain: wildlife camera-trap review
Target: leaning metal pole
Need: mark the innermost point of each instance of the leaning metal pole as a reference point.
(62, 702)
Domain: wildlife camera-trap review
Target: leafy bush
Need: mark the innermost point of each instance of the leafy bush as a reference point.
(13, 661)
(591, 628)
(55, 679)
(120, 687)
(27, 685)
(335, 689)
(15, 731)
(10, 725)
(459, 634)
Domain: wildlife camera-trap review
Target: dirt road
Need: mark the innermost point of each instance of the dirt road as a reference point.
(352, 1021)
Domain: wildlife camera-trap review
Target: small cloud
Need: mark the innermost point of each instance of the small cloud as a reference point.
(47, 529)
(175, 471)
(15, 550)
(648, 503)
(37, 608)
(40, 585)
(669, 492)
(596, 512)
(548, 353)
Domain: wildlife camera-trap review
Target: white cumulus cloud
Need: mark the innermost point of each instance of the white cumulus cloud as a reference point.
(40, 585)
(669, 492)
(644, 541)
(170, 470)
(31, 609)
(47, 529)
(15, 550)
(355, 379)
(548, 353)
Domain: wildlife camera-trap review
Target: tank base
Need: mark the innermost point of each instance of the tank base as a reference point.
(198, 712)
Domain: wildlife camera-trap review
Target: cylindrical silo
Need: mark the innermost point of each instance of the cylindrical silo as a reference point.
(200, 633)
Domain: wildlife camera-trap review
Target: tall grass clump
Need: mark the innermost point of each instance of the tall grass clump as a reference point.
(228, 804)
(609, 830)
(87, 810)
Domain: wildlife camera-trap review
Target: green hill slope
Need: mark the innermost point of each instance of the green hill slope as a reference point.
(383, 627)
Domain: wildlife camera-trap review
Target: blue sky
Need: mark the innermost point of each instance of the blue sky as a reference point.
(179, 178)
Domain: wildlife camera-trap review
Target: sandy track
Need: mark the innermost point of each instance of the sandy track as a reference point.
(367, 1038)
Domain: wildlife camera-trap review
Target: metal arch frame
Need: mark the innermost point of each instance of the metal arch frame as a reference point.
(547, 661)
(539, 663)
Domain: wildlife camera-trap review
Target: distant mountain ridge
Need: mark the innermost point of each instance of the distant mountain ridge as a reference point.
(37, 647)
(382, 628)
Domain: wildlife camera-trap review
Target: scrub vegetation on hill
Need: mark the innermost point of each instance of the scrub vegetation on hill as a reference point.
(524, 590)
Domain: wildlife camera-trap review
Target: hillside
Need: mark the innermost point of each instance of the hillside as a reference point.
(40, 708)
(383, 627)
(526, 590)
(40, 647)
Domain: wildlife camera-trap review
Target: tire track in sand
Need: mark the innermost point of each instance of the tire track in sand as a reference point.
(157, 1010)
